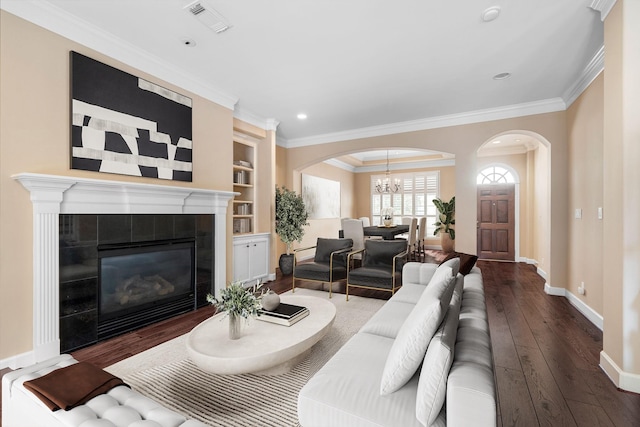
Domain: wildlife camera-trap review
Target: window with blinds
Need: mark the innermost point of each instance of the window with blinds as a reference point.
(414, 199)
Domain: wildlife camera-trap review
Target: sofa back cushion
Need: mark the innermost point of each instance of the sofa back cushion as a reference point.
(409, 347)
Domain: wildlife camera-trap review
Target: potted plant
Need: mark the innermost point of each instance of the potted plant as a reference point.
(291, 217)
(446, 211)
(239, 303)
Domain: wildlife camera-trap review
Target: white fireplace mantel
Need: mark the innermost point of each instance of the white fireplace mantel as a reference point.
(52, 195)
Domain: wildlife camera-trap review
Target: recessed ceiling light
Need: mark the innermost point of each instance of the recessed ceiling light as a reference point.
(491, 14)
(301, 116)
(502, 76)
(188, 42)
(497, 141)
(518, 140)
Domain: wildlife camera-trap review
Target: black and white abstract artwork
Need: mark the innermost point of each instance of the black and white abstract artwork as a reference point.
(127, 125)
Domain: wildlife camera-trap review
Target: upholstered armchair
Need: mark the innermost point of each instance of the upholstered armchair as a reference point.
(329, 263)
(382, 262)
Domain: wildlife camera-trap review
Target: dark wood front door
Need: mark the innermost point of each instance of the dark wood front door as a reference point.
(496, 221)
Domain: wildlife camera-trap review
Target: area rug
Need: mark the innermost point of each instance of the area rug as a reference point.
(165, 374)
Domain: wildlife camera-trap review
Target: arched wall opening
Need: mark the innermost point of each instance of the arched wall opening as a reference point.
(527, 156)
(463, 141)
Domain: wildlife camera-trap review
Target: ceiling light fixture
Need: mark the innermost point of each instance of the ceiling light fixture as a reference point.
(491, 14)
(384, 185)
(502, 76)
(301, 116)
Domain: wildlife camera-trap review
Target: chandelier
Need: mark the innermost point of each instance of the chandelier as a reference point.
(385, 185)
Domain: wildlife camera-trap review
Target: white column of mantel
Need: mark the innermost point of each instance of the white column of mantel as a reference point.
(46, 199)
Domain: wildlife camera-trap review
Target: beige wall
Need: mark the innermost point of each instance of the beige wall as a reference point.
(35, 137)
(621, 197)
(613, 181)
(585, 127)
(541, 215)
(329, 227)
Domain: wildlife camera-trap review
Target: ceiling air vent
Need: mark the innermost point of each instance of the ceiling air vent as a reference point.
(208, 16)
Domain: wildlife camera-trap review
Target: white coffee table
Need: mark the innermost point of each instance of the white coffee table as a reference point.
(264, 348)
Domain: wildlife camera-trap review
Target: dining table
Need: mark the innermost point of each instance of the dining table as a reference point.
(387, 233)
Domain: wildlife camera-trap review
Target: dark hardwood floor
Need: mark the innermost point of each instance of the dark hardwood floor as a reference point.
(545, 352)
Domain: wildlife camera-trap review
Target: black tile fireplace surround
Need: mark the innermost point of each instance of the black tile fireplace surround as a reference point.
(80, 237)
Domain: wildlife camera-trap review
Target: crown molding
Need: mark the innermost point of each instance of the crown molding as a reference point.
(589, 74)
(392, 167)
(254, 119)
(340, 164)
(44, 14)
(406, 165)
(478, 116)
(602, 6)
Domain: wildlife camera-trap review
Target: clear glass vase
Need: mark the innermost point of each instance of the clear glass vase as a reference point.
(235, 326)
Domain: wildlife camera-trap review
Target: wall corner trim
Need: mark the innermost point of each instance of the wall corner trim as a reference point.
(623, 380)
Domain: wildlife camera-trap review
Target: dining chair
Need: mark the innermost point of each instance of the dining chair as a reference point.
(405, 220)
(353, 229)
(412, 247)
(365, 221)
(422, 230)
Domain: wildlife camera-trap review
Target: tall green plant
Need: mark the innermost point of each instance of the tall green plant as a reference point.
(446, 213)
(291, 216)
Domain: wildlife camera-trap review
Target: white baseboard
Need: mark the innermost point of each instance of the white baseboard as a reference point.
(624, 380)
(588, 312)
(542, 274)
(18, 361)
(527, 260)
(552, 290)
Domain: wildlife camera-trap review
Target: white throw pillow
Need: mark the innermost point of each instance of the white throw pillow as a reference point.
(432, 385)
(454, 263)
(409, 347)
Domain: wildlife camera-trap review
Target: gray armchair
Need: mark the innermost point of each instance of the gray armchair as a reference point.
(382, 263)
(329, 263)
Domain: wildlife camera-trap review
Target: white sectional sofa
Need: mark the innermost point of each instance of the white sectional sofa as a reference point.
(120, 407)
(351, 390)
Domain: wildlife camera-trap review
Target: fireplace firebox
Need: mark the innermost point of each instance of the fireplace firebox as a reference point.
(142, 283)
(170, 263)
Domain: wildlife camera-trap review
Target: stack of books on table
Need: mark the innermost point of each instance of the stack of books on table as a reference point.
(284, 314)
